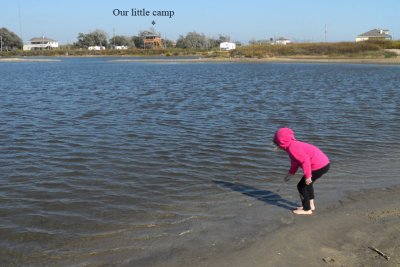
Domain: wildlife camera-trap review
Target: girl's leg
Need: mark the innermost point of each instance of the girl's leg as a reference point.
(305, 198)
(311, 194)
(304, 194)
(315, 175)
(310, 189)
(312, 204)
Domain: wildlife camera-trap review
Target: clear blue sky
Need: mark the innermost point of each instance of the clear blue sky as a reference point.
(298, 20)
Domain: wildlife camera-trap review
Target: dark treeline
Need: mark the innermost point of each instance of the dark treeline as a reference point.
(9, 41)
(192, 40)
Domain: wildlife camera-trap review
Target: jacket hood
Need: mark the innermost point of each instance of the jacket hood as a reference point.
(284, 137)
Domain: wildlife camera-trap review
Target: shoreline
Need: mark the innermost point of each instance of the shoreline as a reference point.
(190, 59)
(394, 61)
(23, 59)
(345, 235)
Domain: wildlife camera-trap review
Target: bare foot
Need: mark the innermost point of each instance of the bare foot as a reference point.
(300, 208)
(302, 212)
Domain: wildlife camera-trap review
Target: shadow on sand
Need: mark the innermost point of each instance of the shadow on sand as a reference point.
(266, 196)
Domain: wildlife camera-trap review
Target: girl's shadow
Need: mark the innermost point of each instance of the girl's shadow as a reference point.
(266, 196)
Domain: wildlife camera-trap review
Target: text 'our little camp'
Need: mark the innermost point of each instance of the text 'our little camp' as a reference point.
(135, 12)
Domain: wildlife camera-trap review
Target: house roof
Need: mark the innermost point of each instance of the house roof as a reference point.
(282, 39)
(42, 39)
(151, 34)
(376, 33)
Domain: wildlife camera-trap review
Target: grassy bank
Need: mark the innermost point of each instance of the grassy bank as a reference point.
(376, 49)
(107, 52)
(334, 50)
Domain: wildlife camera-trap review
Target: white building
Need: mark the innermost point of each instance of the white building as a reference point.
(40, 43)
(375, 34)
(282, 41)
(226, 46)
(120, 47)
(96, 47)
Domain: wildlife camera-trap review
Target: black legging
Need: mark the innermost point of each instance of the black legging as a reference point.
(307, 191)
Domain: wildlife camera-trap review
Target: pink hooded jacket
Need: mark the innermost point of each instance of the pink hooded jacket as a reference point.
(309, 157)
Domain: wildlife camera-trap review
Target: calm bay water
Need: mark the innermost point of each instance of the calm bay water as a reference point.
(138, 163)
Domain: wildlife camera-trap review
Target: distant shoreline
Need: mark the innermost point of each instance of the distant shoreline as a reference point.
(299, 59)
(19, 59)
(156, 59)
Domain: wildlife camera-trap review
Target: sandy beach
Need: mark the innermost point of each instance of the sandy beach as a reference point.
(362, 230)
(353, 233)
(30, 59)
(298, 59)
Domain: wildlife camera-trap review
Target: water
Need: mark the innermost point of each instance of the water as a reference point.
(135, 163)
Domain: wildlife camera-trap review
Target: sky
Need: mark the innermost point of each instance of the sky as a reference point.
(297, 20)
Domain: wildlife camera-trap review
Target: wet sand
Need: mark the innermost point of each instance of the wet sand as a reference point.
(295, 59)
(31, 59)
(345, 235)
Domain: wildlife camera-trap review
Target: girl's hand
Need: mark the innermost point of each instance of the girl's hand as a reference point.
(308, 181)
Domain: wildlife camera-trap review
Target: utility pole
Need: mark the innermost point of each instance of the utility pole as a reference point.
(326, 31)
(1, 43)
(113, 38)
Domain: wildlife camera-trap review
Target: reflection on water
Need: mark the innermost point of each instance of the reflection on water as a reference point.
(123, 162)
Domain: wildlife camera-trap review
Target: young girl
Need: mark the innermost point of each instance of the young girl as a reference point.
(310, 158)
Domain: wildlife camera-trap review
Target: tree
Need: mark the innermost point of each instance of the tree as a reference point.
(120, 40)
(216, 42)
(138, 41)
(223, 38)
(9, 40)
(95, 38)
(169, 43)
(193, 40)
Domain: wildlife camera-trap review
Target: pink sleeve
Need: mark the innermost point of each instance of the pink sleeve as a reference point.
(306, 166)
(294, 165)
(298, 156)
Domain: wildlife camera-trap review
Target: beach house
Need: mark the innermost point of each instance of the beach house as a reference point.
(152, 39)
(96, 48)
(282, 41)
(375, 34)
(39, 43)
(227, 46)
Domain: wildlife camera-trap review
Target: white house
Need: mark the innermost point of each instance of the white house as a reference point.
(226, 46)
(96, 47)
(282, 41)
(375, 34)
(40, 43)
(121, 47)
